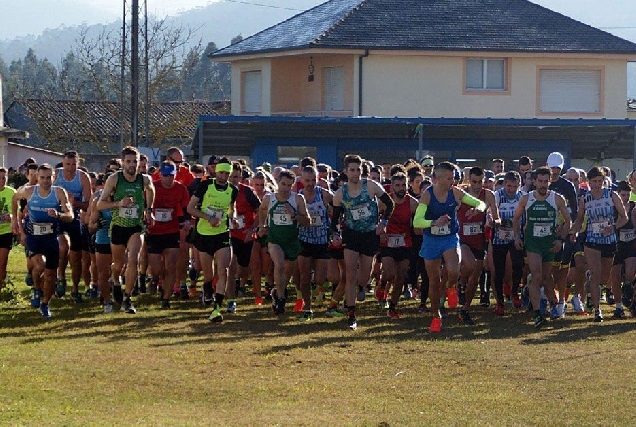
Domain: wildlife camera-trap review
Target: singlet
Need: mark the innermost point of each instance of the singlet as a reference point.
(216, 203)
(105, 217)
(541, 219)
(38, 223)
(133, 215)
(503, 234)
(438, 209)
(317, 233)
(600, 212)
(282, 228)
(361, 212)
(245, 213)
(169, 205)
(626, 234)
(471, 231)
(73, 187)
(6, 195)
(398, 229)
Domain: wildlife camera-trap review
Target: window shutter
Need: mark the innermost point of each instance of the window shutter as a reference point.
(570, 91)
(252, 92)
(333, 88)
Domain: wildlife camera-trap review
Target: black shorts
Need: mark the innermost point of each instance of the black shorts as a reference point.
(103, 248)
(310, 250)
(624, 250)
(157, 243)
(366, 243)
(211, 244)
(6, 241)
(336, 253)
(46, 246)
(242, 251)
(398, 254)
(74, 231)
(607, 251)
(479, 254)
(120, 235)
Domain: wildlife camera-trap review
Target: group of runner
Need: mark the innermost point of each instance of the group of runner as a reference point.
(423, 229)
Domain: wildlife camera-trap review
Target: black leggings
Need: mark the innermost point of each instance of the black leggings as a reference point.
(499, 255)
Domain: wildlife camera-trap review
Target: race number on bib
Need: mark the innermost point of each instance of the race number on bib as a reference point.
(129, 212)
(473, 228)
(505, 234)
(240, 222)
(626, 235)
(316, 220)
(396, 240)
(214, 213)
(282, 219)
(163, 215)
(360, 212)
(597, 227)
(42, 228)
(440, 230)
(541, 230)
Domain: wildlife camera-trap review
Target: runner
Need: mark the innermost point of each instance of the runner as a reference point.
(625, 257)
(6, 236)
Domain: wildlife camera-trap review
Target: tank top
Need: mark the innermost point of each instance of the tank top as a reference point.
(600, 213)
(317, 233)
(133, 215)
(245, 214)
(398, 228)
(472, 231)
(6, 195)
(438, 209)
(626, 234)
(105, 217)
(361, 212)
(541, 219)
(281, 226)
(73, 187)
(503, 234)
(215, 203)
(38, 223)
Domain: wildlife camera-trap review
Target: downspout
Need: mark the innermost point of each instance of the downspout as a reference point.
(366, 53)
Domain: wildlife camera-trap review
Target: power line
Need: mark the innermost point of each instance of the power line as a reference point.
(617, 28)
(264, 5)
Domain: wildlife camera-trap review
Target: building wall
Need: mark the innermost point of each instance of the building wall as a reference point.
(239, 67)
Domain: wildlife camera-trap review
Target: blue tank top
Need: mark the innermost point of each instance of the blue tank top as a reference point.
(318, 231)
(105, 216)
(437, 209)
(599, 212)
(38, 222)
(361, 212)
(74, 186)
(507, 205)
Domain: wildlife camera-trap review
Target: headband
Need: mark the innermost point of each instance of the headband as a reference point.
(223, 167)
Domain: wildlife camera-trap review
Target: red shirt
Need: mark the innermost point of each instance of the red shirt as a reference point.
(170, 204)
(398, 229)
(471, 231)
(247, 204)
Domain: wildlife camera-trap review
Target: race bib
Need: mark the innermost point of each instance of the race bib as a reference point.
(597, 227)
(505, 234)
(440, 230)
(214, 213)
(396, 240)
(626, 235)
(316, 220)
(42, 228)
(128, 213)
(360, 212)
(282, 219)
(473, 228)
(163, 215)
(240, 222)
(541, 230)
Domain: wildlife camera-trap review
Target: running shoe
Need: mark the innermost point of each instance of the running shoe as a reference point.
(436, 325)
(208, 294)
(60, 287)
(407, 292)
(127, 306)
(507, 290)
(216, 315)
(393, 314)
(598, 316)
(464, 317)
(516, 302)
(561, 310)
(451, 297)
(77, 297)
(36, 296)
(280, 306)
(352, 323)
(539, 320)
(165, 304)
(362, 293)
(231, 306)
(619, 313)
(334, 312)
(183, 293)
(379, 293)
(577, 306)
(499, 309)
(258, 301)
(484, 300)
(554, 311)
(298, 306)
(306, 316)
(384, 305)
(543, 305)
(108, 307)
(422, 308)
(44, 311)
(94, 291)
(192, 291)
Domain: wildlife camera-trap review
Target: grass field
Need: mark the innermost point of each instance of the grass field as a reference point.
(176, 368)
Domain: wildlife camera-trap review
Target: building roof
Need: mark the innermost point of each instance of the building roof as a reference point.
(77, 119)
(432, 25)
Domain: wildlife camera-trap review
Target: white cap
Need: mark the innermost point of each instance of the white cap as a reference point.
(555, 160)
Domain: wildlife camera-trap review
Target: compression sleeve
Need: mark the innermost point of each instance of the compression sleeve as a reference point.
(335, 219)
(474, 202)
(419, 220)
(388, 202)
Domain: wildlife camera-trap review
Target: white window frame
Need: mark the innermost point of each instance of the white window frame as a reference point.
(484, 83)
(333, 89)
(252, 92)
(577, 91)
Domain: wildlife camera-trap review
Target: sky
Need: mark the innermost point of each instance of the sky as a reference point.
(34, 16)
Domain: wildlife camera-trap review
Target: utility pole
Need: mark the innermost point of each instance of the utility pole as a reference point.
(134, 73)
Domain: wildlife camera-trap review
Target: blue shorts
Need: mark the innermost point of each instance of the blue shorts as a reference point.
(433, 247)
